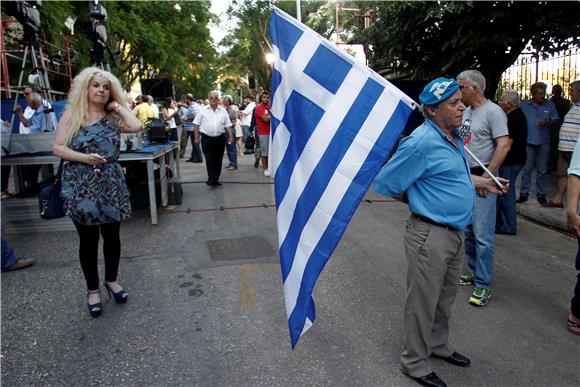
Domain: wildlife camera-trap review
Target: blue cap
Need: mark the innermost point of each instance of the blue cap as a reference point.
(438, 90)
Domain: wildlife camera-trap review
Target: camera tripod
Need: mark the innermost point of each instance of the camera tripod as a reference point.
(98, 56)
(34, 50)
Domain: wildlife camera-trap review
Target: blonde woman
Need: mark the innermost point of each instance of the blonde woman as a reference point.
(93, 185)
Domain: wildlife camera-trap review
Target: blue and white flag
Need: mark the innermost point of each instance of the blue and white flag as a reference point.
(333, 123)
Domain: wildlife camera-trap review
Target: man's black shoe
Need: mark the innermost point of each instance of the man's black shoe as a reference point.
(456, 359)
(190, 161)
(543, 202)
(431, 380)
(197, 161)
(522, 199)
(256, 163)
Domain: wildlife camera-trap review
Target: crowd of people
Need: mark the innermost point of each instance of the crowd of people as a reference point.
(99, 121)
(456, 205)
(456, 208)
(249, 124)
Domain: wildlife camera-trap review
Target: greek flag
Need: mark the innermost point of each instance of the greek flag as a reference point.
(333, 124)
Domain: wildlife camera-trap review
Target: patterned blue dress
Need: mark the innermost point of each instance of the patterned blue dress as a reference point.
(96, 195)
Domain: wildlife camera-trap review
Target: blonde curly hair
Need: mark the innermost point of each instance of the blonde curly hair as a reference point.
(78, 98)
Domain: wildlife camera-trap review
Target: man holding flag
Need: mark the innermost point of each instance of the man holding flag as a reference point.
(430, 171)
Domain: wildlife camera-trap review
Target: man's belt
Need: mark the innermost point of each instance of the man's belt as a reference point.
(431, 221)
(477, 171)
(207, 135)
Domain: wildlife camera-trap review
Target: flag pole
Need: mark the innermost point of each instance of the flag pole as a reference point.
(298, 11)
(495, 180)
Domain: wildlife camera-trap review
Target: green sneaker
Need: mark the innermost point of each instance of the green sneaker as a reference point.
(467, 279)
(480, 296)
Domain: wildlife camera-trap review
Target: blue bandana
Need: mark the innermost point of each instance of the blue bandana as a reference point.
(438, 90)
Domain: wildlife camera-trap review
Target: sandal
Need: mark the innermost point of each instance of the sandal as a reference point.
(573, 327)
(553, 204)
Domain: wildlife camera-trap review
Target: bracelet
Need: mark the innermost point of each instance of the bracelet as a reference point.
(117, 107)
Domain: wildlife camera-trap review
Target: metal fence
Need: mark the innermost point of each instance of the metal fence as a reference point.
(558, 69)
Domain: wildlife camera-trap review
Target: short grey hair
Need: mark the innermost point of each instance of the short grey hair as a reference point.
(229, 99)
(36, 98)
(214, 92)
(474, 78)
(512, 97)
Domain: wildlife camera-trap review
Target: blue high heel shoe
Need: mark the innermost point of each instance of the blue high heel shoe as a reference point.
(94, 309)
(120, 297)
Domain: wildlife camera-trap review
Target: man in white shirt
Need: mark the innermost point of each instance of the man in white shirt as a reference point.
(247, 116)
(213, 121)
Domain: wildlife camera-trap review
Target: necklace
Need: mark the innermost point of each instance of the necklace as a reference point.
(94, 118)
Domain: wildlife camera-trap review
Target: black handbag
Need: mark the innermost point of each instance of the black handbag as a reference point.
(250, 141)
(49, 201)
(175, 194)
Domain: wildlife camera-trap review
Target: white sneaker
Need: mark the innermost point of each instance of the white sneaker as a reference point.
(266, 173)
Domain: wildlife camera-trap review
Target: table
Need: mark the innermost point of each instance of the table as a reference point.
(148, 154)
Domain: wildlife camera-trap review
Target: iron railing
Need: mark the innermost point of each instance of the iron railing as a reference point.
(561, 69)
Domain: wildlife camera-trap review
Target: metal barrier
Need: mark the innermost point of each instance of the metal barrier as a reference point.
(561, 69)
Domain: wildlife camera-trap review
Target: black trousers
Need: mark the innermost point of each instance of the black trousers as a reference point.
(575, 302)
(89, 251)
(5, 177)
(213, 150)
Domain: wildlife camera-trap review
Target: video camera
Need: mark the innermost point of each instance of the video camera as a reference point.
(27, 13)
(98, 21)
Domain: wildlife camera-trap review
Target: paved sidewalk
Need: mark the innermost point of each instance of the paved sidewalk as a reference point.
(532, 210)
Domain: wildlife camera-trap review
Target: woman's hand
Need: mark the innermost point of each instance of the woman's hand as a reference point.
(113, 106)
(96, 159)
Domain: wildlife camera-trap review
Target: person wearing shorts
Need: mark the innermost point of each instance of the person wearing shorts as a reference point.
(263, 123)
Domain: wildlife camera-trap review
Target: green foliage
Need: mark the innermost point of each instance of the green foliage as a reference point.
(427, 39)
(249, 41)
(151, 39)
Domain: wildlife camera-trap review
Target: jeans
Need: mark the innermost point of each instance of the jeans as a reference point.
(232, 150)
(195, 148)
(479, 241)
(8, 256)
(538, 158)
(506, 205)
(245, 132)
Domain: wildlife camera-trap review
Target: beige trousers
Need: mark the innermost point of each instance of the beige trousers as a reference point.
(434, 255)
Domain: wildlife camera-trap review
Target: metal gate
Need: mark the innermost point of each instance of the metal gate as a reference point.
(562, 69)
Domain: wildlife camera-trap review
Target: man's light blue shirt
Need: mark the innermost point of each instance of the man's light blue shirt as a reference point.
(539, 135)
(435, 175)
(38, 121)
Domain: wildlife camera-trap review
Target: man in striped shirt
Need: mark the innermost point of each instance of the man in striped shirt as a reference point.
(569, 132)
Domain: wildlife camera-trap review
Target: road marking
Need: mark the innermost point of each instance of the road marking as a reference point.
(247, 288)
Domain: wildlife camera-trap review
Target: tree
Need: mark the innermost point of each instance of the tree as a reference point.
(249, 41)
(423, 40)
(151, 40)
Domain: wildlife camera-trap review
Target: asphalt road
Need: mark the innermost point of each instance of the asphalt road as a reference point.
(206, 304)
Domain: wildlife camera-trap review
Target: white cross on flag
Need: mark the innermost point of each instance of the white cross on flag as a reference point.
(334, 122)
